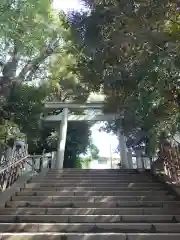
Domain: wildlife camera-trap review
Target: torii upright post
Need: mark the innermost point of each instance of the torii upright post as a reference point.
(123, 149)
(139, 161)
(129, 157)
(62, 140)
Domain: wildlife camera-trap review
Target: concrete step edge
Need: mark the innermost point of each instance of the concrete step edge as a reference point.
(91, 227)
(88, 211)
(109, 202)
(89, 218)
(89, 236)
(94, 198)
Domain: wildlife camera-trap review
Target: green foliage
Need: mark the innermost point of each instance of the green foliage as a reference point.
(24, 106)
(130, 50)
(78, 137)
(7, 131)
(27, 22)
(85, 162)
(64, 78)
(31, 32)
(93, 150)
(36, 46)
(78, 163)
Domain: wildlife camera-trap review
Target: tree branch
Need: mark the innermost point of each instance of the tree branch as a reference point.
(32, 66)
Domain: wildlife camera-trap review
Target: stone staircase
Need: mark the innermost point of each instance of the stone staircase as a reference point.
(92, 205)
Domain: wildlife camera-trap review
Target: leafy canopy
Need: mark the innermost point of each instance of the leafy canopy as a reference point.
(130, 50)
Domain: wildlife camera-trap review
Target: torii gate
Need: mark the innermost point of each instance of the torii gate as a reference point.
(65, 116)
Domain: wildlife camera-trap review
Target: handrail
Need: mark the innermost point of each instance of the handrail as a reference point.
(16, 166)
(13, 164)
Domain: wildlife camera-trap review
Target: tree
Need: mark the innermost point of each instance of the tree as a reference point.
(131, 51)
(78, 139)
(94, 151)
(35, 40)
(24, 107)
(30, 33)
(64, 78)
(77, 142)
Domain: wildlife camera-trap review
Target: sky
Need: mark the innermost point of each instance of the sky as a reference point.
(67, 5)
(102, 140)
(106, 142)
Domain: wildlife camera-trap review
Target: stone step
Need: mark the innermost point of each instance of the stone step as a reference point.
(74, 189)
(75, 184)
(54, 196)
(53, 199)
(113, 193)
(87, 183)
(89, 236)
(148, 236)
(105, 178)
(118, 204)
(91, 170)
(89, 218)
(93, 180)
(90, 211)
(153, 188)
(101, 173)
(113, 171)
(110, 204)
(49, 201)
(95, 171)
(91, 227)
(110, 188)
(98, 175)
(102, 187)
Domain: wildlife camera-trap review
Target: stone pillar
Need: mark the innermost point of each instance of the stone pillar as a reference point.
(62, 140)
(129, 157)
(139, 162)
(123, 150)
(146, 161)
(53, 160)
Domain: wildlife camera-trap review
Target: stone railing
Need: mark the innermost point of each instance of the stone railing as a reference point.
(36, 163)
(18, 162)
(11, 169)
